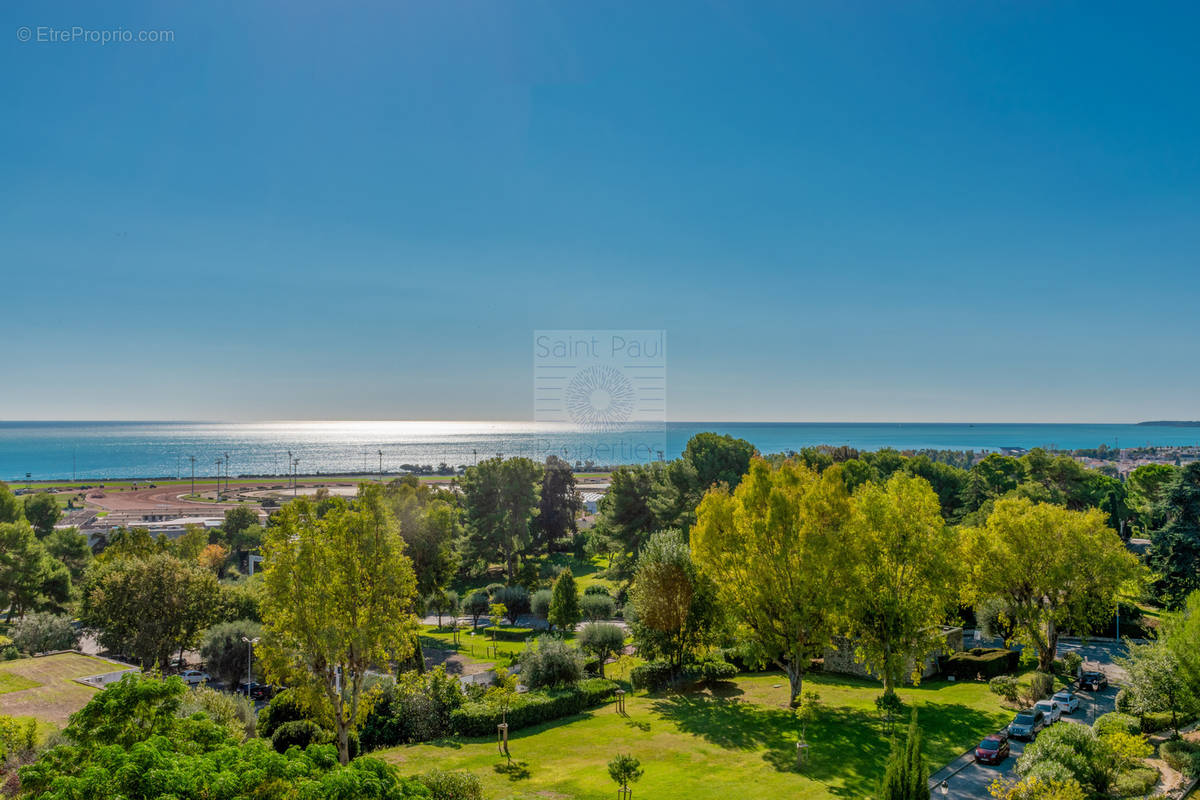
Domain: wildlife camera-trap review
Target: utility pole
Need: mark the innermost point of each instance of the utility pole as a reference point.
(381, 466)
(289, 461)
(74, 451)
(227, 473)
(218, 480)
(193, 458)
(295, 475)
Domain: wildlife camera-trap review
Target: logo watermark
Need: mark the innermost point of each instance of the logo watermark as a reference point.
(602, 395)
(77, 34)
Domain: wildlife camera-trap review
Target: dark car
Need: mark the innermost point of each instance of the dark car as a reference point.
(257, 691)
(992, 750)
(1094, 680)
(1027, 724)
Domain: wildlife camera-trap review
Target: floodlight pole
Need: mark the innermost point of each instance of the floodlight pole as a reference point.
(193, 458)
(249, 660)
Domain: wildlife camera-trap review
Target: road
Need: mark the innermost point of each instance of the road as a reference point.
(967, 780)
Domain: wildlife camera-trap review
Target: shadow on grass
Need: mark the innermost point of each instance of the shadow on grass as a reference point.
(847, 747)
(515, 770)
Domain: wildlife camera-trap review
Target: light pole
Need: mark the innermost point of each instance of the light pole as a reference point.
(295, 474)
(249, 659)
(227, 473)
(381, 466)
(218, 480)
(289, 461)
(193, 458)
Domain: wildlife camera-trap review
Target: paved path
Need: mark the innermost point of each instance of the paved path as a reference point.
(967, 780)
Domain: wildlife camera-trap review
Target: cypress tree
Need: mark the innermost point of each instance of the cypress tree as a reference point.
(907, 775)
(564, 602)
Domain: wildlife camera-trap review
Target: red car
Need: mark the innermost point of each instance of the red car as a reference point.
(992, 750)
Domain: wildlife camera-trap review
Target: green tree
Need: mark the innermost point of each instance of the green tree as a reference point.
(624, 769)
(601, 639)
(718, 459)
(223, 650)
(441, 602)
(71, 548)
(1180, 632)
(10, 506)
(775, 551)
(558, 505)
(1175, 546)
(43, 513)
(564, 602)
(1147, 485)
(337, 603)
(30, 579)
(906, 776)
(238, 519)
(1050, 568)
(907, 577)
(626, 512)
(947, 481)
(674, 604)
(501, 498)
(431, 526)
(148, 608)
(42, 632)
(1157, 681)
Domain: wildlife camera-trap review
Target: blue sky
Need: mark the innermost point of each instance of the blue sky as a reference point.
(845, 211)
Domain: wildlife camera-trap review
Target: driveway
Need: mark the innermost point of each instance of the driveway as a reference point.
(967, 780)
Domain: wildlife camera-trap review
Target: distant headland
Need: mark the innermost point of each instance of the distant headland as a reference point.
(1170, 423)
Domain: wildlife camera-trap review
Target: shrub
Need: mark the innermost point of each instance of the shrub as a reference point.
(476, 605)
(597, 588)
(1135, 782)
(550, 662)
(444, 785)
(233, 712)
(1116, 722)
(1162, 720)
(1041, 685)
(597, 606)
(539, 603)
(564, 604)
(508, 633)
(492, 588)
(531, 708)
(1071, 662)
(987, 662)
(1006, 686)
(416, 709)
(300, 733)
(41, 632)
(515, 600)
(284, 707)
(711, 670)
(1124, 701)
(1179, 755)
(653, 676)
(601, 639)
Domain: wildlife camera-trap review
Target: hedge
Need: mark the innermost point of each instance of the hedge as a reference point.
(531, 708)
(1161, 721)
(507, 634)
(1181, 756)
(651, 676)
(989, 663)
(1114, 722)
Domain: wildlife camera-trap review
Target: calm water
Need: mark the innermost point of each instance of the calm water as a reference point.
(162, 449)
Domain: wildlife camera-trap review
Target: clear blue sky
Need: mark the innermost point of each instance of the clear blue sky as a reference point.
(842, 211)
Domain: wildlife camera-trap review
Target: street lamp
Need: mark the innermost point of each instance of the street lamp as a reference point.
(249, 658)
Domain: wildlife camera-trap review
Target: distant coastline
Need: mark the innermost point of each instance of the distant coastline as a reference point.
(1168, 423)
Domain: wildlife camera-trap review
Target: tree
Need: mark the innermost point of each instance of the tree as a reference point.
(1175, 546)
(539, 603)
(43, 513)
(1050, 568)
(1070, 752)
(30, 579)
(674, 605)
(476, 605)
(907, 577)
(1157, 681)
(1037, 789)
(501, 497)
(775, 551)
(238, 519)
(338, 599)
(564, 603)
(625, 513)
(148, 607)
(1180, 631)
(441, 602)
(431, 527)
(42, 632)
(549, 661)
(624, 769)
(601, 639)
(906, 776)
(71, 548)
(718, 459)
(1147, 485)
(558, 505)
(10, 506)
(947, 481)
(224, 651)
(597, 606)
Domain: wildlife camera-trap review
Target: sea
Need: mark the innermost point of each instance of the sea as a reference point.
(115, 450)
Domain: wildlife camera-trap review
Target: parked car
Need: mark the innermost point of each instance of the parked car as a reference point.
(992, 750)
(1027, 724)
(257, 691)
(194, 677)
(1067, 700)
(1051, 709)
(1094, 680)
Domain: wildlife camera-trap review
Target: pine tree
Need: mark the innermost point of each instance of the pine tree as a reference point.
(564, 604)
(907, 774)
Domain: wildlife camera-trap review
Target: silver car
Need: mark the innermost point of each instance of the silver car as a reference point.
(1050, 708)
(1067, 700)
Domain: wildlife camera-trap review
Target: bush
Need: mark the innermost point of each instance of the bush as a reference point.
(1070, 663)
(416, 709)
(1179, 755)
(515, 599)
(233, 712)
(601, 640)
(444, 785)
(653, 676)
(550, 662)
(42, 632)
(1006, 686)
(1124, 701)
(598, 589)
(508, 633)
(986, 662)
(539, 603)
(283, 708)
(531, 708)
(492, 588)
(476, 605)
(597, 607)
(1135, 782)
(1162, 721)
(1041, 685)
(300, 733)
(711, 670)
(1116, 722)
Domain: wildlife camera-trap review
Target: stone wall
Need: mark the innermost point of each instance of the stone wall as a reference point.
(840, 657)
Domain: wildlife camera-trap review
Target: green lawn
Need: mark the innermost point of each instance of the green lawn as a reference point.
(698, 745)
(15, 683)
(45, 688)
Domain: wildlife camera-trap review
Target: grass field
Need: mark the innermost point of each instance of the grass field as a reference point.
(699, 745)
(44, 688)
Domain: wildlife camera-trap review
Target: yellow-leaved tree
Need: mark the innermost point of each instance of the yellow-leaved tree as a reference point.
(338, 594)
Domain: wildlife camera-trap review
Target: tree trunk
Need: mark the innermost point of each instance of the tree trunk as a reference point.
(343, 738)
(795, 673)
(1047, 654)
